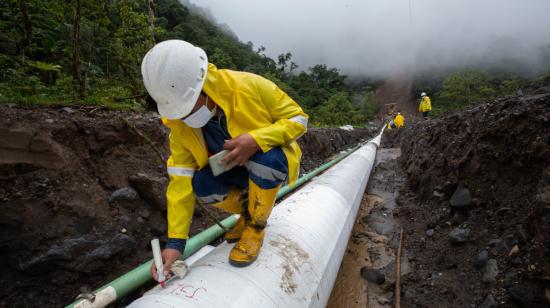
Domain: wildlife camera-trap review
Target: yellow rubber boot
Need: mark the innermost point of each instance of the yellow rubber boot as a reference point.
(233, 203)
(247, 249)
(260, 203)
(234, 234)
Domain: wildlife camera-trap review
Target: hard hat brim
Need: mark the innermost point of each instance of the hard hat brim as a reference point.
(181, 110)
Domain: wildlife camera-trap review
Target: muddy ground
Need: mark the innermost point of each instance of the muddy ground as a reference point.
(367, 273)
(476, 210)
(82, 194)
(471, 192)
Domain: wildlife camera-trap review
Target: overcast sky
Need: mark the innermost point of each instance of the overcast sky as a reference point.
(380, 37)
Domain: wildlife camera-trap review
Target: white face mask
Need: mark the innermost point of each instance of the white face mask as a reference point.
(200, 117)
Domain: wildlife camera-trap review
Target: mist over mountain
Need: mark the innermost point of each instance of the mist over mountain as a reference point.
(379, 38)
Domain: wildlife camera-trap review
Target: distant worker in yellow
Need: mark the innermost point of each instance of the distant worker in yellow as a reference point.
(209, 110)
(399, 120)
(425, 105)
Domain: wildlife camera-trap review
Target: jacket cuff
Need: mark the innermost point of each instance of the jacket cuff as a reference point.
(176, 243)
(259, 140)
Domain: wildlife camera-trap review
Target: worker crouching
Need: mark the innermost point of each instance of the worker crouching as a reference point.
(399, 120)
(209, 111)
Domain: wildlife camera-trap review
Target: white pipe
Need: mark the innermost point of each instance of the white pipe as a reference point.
(155, 245)
(305, 242)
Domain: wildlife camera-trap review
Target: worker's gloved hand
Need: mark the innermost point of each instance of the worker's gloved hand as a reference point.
(172, 251)
(240, 150)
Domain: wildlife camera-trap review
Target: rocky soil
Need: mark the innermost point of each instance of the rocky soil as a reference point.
(476, 217)
(82, 194)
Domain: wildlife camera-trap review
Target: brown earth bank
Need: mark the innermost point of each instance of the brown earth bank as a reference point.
(82, 194)
(476, 218)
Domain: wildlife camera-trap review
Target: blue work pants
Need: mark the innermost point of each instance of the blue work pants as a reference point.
(267, 170)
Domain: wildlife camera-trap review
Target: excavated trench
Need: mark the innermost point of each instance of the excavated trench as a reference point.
(470, 191)
(82, 194)
(367, 272)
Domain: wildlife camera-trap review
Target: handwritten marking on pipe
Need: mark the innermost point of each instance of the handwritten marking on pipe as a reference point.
(187, 290)
(294, 258)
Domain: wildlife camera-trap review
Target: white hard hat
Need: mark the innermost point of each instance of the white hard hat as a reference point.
(423, 94)
(173, 73)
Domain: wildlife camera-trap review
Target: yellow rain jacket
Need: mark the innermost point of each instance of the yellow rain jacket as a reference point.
(425, 104)
(399, 121)
(253, 105)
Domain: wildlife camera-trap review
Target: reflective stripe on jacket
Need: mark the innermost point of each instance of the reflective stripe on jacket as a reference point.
(253, 105)
(425, 104)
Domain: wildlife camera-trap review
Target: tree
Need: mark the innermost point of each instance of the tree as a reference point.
(327, 77)
(26, 29)
(466, 87)
(221, 59)
(284, 61)
(369, 108)
(338, 110)
(76, 6)
(151, 19)
(23, 25)
(318, 85)
(94, 48)
(128, 38)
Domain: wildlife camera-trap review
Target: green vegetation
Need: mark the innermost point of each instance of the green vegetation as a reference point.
(338, 110)
(460, 89)
(89, 52)
(369, 108)
(469, 86)
(69, 52)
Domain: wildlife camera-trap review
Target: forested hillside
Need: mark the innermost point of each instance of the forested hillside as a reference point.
(89, 52)
(462, 88)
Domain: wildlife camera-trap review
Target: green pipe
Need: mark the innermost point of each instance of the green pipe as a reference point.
(140, 275)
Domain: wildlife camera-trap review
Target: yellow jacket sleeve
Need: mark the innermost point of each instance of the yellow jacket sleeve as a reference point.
(289, 120)
(179, 194)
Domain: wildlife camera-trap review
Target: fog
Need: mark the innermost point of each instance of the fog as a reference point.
(378, 38)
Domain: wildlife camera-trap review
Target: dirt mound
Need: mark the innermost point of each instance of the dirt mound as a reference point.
(480, 229)
(321, 143)
(58, 169)
(82, 194)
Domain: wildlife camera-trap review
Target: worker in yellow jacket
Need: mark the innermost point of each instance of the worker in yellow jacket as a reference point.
(208, 111)
(399, 120)
(425, 105)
